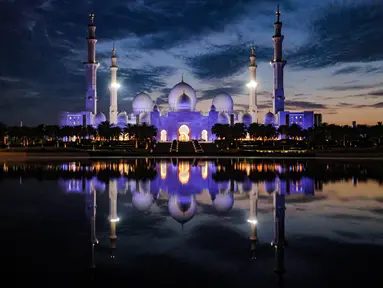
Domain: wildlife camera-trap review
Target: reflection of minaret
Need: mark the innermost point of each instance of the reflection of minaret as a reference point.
(90, 206)
(278, 64)
(91, 67)
(113, 218)
(279, 242)
(253, 219)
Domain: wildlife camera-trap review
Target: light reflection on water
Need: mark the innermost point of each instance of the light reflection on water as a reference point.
(141, 202)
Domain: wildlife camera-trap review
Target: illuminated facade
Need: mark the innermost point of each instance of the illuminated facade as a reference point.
(182, 121)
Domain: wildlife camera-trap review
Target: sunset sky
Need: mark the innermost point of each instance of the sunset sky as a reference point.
(333, 48)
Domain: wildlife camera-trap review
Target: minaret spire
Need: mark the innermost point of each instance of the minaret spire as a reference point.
(252, 85)
(113, 88)
(278, 64)
(91, 67)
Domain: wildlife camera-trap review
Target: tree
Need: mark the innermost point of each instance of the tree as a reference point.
(254, 130)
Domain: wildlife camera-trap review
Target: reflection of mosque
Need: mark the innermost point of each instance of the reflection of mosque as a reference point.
(182, 207)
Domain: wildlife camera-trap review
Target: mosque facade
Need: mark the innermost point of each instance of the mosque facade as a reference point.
(182, 121)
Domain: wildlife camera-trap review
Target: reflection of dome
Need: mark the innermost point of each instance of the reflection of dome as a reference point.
(223, 118)
(269, 118)
(184, 103)
(122, 118)
(142, 201)
(247, 185)
(223, 202)
(247, 119)
(177, 91)
(223, 102)
(142, 103)
(99, 118)
(182, 208)
(270, 186)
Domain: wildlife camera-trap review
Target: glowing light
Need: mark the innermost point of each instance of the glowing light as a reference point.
(252, 221)
(114, 219)
(115, 85)
(252, 84)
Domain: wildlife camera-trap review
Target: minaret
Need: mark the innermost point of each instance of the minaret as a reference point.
(113, 88)
(252, 85)
(253, 219)
(279, 242)
(278, 64)
(113, 218)
(91, 69)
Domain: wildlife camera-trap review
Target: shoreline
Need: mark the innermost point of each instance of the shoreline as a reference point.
(35, 155)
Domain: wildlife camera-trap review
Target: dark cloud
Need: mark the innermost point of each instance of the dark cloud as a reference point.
(343, 33)
(290, 104)
(226, 60)
(350, 87)
(347, 70)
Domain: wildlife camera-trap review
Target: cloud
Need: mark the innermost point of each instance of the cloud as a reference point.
(337, 88)
(344, 32)
(225, 61)
(346, 70)
(290, 104)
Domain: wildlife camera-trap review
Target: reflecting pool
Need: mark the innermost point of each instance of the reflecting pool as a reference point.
(188, 222)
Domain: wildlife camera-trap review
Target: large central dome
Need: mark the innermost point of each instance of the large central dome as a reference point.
(177, 91)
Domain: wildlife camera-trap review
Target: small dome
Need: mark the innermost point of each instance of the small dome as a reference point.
(223, 202)
(184, 103)
(212, 108)
(269, 119)
(223, 118)
(270, 186)
(247, 119)
(247, 185)
(122, 118)
(223, 102)
(155, 108)
(99, 118)
(177, 91)
(144, 118)
(142, 103)
(182, 208)
(142, 201)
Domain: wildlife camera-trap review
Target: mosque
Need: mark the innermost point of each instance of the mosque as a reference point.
(183, 122)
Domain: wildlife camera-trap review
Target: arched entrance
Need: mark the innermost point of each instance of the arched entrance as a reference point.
(184, 133)
(204, 135)
(164, 136)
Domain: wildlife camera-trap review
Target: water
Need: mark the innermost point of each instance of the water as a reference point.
(192, 222)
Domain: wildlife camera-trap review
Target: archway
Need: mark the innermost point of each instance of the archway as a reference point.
(184, 133)
(164, 136)
(204, 135)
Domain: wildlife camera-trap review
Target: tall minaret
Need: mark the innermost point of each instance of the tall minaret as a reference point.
(253, 219)
(279, 242)
(91, 69)
(113, 89)
(113, 218)
(252, 85)
(278, 64)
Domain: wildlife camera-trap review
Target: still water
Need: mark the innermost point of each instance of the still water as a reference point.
(188, 222)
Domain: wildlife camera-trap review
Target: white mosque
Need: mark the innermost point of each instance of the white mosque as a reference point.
(183, 122)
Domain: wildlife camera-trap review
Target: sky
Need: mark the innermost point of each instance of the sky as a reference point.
(333, 48)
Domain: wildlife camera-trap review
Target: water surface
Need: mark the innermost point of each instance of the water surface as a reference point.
(213, 223)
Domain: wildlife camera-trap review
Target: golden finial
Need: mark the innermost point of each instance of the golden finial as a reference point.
(252, 48)
(91, 17)
(182, 77)
(278, 13)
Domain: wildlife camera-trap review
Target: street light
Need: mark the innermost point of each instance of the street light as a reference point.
(252, 84)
